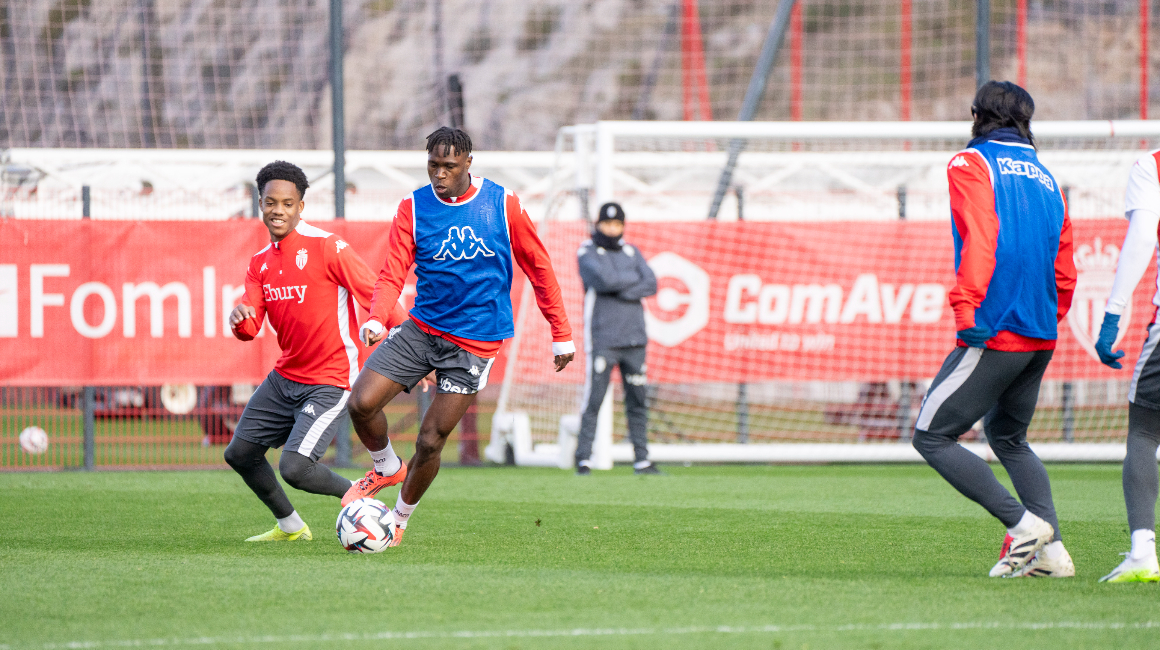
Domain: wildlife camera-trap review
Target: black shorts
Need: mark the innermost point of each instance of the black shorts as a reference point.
(303, 417)
(408, 354)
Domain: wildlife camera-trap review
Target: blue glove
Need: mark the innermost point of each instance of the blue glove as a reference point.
(976, 337)
(1107, 339)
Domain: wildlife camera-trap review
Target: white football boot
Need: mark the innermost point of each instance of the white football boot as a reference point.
(1043, 566)
(1023, 548)
(1143, 569)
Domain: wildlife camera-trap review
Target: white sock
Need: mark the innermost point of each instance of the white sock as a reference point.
(1054, 550)
(1143, 544)
(1025, 524)
(403, 511)
(641, 464)
(386, 461)
(291, 523)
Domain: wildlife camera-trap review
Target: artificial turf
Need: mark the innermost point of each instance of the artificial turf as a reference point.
(717, 556)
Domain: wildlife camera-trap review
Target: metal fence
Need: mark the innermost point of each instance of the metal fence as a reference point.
(129, 427)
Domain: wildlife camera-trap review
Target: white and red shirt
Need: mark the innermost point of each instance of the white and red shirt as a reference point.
(526, 248)
(308, 284)
(1142, 208)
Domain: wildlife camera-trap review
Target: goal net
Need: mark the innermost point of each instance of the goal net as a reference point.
(805, 322)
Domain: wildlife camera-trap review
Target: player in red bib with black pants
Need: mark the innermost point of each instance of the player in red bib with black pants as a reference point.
(307, 282)
(462, 233)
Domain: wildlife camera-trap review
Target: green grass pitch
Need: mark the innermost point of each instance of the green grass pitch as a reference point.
(716, 556)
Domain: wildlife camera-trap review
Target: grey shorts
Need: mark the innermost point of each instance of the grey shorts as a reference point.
(1145, 387)
(408, 354)
(303, 417)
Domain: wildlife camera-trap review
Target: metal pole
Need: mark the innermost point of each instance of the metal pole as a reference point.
(337, 108)
(86, 202)
(424, 398)
(904, 399)
(742, 413)
(740, 192)
(982, 42)
(90, 439)
(650, 79)
(1068, 403)
(148, 126)
(902, 203)
(342, 446)
(255, 199)
(773, 41)
(455, 101)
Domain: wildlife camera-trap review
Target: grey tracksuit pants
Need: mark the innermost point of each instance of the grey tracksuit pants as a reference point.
(632, 371)
(1002, 388)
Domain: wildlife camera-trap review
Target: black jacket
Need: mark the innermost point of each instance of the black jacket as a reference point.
(615, 282)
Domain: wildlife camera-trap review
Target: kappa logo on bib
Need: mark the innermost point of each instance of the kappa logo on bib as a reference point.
(462, 244)
(1095, 265)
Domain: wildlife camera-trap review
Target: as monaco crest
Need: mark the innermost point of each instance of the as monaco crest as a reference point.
(301, 259)
(1096, 268)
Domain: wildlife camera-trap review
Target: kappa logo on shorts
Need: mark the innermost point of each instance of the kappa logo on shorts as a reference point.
(309, 409)
(462, 244)
(474, 371)
(300, 260)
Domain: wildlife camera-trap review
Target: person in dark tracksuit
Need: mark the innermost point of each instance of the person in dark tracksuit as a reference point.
(1014, 279)
(616, 279)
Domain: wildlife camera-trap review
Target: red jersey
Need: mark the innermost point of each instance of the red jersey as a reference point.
(308, 284)
(527, 249)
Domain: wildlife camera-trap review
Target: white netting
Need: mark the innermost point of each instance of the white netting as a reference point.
(253, 73)
(822, 315)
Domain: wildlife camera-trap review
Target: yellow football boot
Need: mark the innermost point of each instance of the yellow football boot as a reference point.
(279, 535)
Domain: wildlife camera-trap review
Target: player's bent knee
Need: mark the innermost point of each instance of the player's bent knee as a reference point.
(926, 443)
(237, 458)
(361, 406)
(295, 468)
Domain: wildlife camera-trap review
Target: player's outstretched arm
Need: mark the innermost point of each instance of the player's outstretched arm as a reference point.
(530, 254)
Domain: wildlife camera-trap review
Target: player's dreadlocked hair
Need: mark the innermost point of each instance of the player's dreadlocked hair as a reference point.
(999, 104)
(280, 170)
(449, 138)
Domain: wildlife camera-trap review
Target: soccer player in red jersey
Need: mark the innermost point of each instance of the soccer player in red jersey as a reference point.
(307, 282)
(462, 233)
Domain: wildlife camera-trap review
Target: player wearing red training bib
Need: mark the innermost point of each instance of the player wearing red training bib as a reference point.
(306, 281)
(462, 233)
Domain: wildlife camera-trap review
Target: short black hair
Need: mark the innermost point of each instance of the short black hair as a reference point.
(999, 104)
(280, 170)
(446, 136)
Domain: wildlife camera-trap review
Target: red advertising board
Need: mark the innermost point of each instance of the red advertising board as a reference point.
(745, 301)
(84, 302)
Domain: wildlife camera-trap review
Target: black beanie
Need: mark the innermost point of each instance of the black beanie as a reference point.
(610, 211)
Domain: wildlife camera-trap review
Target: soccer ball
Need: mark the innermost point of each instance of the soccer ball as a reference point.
(34, 440)
(365, 526)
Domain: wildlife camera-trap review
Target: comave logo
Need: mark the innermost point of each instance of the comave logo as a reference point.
(462, 244)
(670, 301)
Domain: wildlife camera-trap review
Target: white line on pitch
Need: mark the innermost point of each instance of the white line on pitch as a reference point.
(590, 632)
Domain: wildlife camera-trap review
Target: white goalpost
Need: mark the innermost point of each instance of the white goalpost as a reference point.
(805, 322)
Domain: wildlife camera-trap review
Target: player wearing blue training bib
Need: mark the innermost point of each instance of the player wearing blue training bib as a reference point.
(1014, 278)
